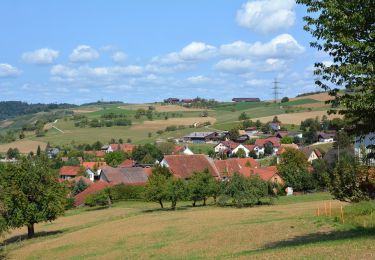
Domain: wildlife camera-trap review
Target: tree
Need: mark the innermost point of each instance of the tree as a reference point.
(350, 181)
(115, 158)
(148, 159)
(286, 140)
(240, 153)
(166, 147)
(175, 191)
(233, 134)
(342, 140)
(320, 173)
(142, 150)
(13, 153)
(30, 193)
(38, 152)
(275, 120)
(345, 30)
(155, 189)
(201, 186)
(284, 99)
(293, 168)
(80, 186)
(268, 149)
(243, 116)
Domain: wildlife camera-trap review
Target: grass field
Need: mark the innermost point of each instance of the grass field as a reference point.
(24, 146)
(138, 230)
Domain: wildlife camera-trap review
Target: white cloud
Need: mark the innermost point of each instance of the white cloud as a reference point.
(7, 70)
(234, 65)
(83, 53)
(119, 57)
(40, 56)
(264, 16)
(193, 52)
(198, 79)
(282, 46)
(258, 82)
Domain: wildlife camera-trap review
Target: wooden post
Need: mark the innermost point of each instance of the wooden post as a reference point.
(325, 209)
(342, 216)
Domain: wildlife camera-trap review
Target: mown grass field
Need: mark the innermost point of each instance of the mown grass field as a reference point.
(138, 230)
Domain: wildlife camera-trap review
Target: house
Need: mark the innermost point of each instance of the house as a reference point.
(95, 187)
(187, 101)
(227, 168)
(270, 141)
(126, 148)
(128, 163)
(68, 172)
(231, 148)
(184, 166)
(182, 149)
(251, 131)
(124, 175)
(201, 137)
(52, 152)
(269, 173)
(275, 126)
(311, 154)
(92, 169)
(363, 146)
(326, 137)
(171, 100)
(99, 154)
(245, 99)
(281, 134)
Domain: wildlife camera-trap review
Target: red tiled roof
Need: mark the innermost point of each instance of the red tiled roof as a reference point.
(274, 140)
(283, 147)
(127, 163)
(184, 166)
(266, 173)
(96, 153)
(250, 147)
(69, 170)
(122, 175)
(79, 199)
(127, 148)
(230, 144)
(93, 165)
(236, 165)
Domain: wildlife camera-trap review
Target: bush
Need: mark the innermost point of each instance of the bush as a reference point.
(100, 198)
(284, 99)
(125, 192)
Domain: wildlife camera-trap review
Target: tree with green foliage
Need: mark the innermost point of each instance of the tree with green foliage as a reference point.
(268, 149)
(30, 193)
(286, 140)
(13, 153)
(350, 181)
(38, 152)
(79, 186)
(240, 153)
(243, 116)
(242, 191)
(293, 168)
(148, 159)
(201, 186)
(343, 140)
(284, 100)
(175, 190)
(276, 120)
(345, 30)
(142, 150)
(155, 189)
(233, 134)
(320, 173)
(166, 147)
(115, 158)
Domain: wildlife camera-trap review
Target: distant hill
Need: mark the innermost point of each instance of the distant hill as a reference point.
(9, 109)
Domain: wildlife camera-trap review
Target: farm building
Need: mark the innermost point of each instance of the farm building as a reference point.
(201, 137)
(246, 100)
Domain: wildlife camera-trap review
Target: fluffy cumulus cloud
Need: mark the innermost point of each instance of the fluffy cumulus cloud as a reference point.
(282, 46)
(264, 16)
(193, 52)
(8, 71)
(83, 53)
(119, 57)
(41, 56)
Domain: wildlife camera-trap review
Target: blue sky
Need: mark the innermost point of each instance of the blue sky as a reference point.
(144, 51)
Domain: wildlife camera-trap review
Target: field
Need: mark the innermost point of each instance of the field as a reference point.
(162, 108)
(138, 230)
(296, 118)
(24, 146)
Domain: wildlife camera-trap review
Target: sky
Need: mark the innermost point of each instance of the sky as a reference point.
(147, 50)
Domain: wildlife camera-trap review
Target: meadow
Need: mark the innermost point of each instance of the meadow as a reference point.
(133, 230)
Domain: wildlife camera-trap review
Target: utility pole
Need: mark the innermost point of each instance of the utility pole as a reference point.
(275, 89)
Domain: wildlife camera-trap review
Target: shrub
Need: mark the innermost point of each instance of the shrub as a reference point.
(100, 198)
(126, 192)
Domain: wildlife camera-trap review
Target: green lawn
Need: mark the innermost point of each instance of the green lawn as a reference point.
(139, 230)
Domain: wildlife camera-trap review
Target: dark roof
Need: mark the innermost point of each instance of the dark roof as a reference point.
(122, 175)
(326, 135)
(184, 166)
(246, 100)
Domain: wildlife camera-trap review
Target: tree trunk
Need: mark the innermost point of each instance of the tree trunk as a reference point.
(30, 231)
(204, 202)
(161, 204)
(174, 203)
(194, 203)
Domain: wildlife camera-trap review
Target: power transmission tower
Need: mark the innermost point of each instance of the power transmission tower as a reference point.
(275, 89)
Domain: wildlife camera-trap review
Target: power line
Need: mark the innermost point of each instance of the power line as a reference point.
(275, 89)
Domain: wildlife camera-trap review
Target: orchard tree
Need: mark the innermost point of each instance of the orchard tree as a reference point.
(345, 30)
(201, 186)
(155, 189)
(115, 158)
(175, 190)
(30, 193)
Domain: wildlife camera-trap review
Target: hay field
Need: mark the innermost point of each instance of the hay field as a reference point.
(161, 124)
(84, 110)
(163, 108)
(296, 118)
(24, 146)
(137, 230)
(320, 97)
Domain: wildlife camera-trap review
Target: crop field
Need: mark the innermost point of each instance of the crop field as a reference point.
(138, 230)
(162, 108)
(24, 146)
(296, 118)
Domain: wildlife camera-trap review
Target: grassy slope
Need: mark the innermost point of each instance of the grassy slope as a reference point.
(140, 230)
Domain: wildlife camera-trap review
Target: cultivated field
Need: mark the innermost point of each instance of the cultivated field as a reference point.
(296, 118)
(320, 97)
(162, 108)
(138, 230)
(161, 124)
(24, 146)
